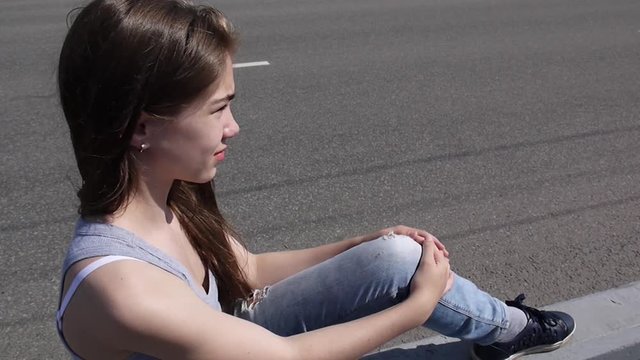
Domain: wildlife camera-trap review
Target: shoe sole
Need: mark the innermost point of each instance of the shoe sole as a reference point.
(533, 350)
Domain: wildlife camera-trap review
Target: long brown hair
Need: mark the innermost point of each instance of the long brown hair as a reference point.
(123, 58)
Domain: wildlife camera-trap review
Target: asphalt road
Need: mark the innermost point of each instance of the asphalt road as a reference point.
(509, 128)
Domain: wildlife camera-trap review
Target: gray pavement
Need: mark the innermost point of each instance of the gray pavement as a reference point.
(507, 128)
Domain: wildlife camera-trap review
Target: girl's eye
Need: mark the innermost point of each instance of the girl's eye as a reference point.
(220, 109)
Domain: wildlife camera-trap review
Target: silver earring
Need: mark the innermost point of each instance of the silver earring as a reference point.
(144, 147)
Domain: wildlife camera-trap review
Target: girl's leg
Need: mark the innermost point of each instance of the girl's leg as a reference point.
(366, 279)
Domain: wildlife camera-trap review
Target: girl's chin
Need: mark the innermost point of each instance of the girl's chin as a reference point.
(211, 175)
(202, 177)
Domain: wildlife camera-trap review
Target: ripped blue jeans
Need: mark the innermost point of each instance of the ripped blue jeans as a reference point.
(366, 279)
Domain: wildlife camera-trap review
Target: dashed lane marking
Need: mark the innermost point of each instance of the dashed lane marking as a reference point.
(250, 64)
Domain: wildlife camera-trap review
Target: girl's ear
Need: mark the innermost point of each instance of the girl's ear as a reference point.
(141, 132)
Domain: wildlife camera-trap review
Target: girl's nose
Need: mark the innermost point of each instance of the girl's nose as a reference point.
(232, 128)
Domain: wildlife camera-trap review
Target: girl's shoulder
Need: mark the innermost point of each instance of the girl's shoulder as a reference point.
(116, 300)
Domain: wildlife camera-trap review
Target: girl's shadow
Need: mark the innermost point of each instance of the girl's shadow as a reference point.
(449, 351)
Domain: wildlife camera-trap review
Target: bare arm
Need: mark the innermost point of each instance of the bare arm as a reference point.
(268, 268)
(272, 267)
(141, 308)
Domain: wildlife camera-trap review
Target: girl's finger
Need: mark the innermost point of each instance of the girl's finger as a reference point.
(437, 242)
(441, 246)
(429, 249)
(438, 256)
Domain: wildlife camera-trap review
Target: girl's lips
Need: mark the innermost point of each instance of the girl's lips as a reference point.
(219, 155)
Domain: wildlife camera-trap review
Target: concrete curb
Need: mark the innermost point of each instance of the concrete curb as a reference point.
(607, 327)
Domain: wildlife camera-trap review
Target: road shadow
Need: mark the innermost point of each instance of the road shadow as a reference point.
(457, 350)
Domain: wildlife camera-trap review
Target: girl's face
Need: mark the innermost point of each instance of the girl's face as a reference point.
(192, 145)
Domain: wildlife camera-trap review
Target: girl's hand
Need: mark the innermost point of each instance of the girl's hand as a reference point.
(432, 278)
(416, 234)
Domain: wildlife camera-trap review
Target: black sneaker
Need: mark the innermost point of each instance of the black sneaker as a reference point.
(545, 331)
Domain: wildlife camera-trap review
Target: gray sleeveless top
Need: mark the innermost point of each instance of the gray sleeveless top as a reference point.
(97, 239)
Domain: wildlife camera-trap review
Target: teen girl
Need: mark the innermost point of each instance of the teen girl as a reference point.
(155, 271)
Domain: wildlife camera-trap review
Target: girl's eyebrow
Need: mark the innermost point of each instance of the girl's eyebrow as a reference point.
(226, 98)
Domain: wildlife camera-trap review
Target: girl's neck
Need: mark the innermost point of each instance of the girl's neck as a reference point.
(147, 210)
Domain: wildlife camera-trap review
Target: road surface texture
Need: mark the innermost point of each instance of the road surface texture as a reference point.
(508, 128)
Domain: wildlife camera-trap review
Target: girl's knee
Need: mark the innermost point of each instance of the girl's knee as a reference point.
(385, 266)
(398, 251)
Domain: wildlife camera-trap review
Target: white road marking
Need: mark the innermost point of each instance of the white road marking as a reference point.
(250, 64)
